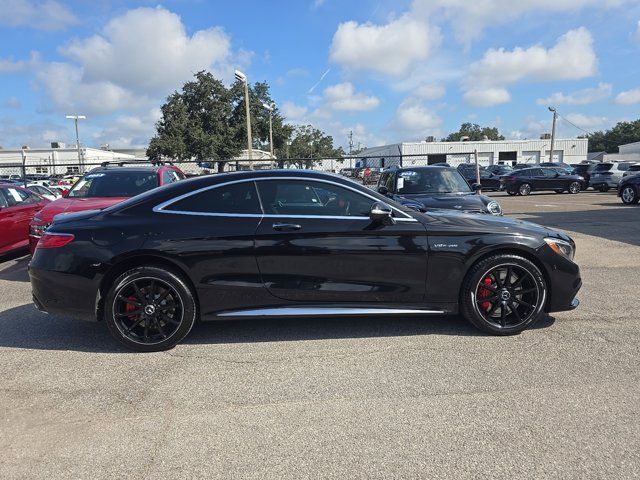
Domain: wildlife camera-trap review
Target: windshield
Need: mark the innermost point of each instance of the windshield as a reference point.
(603, 167)
(436, 180)
(114, 184)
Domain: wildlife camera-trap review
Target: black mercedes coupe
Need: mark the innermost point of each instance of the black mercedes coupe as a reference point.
(285, 243)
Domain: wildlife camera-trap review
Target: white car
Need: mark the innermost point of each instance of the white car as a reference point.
(607, 175)
(44, 191)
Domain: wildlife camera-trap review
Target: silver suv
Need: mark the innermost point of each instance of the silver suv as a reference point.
(606, 175)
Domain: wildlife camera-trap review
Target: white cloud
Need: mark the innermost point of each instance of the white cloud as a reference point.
(13, 103)
(588, 122)
(389, 49)
(343, 97)
(292, 111)
(635, 36)
(469, 18)
(571, 58)
(46, 15)
(629, 97)
(8, 65)
(429, 92)
(414, 117)
(579, 97)
(487, 97)
(148, 49)
(129, 131)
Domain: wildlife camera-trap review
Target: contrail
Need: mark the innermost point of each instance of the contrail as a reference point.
(318, 82)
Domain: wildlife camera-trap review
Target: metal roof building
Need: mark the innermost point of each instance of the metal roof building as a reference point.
(490, 152)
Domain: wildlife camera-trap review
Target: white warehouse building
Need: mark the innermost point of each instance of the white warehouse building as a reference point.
(57, 159)
(490, 152)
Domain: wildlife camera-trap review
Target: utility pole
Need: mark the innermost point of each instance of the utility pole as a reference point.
(243, 78)
(351, 148)
(553, 131)
(75, 118)
(270, 108)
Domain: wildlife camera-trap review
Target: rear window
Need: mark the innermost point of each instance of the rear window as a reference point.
(603, 167)
(119, 183)
(634, 168)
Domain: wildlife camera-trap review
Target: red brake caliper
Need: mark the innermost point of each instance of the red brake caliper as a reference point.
(484, 293)
(130, 307)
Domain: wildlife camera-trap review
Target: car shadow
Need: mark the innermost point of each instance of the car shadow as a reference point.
(619, 224)
(26, 327)
(16, 272)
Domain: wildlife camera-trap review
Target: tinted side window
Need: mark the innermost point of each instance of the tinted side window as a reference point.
(167, 177)
(235, 198)
(3, 200)
(302, 197)
(548, 172)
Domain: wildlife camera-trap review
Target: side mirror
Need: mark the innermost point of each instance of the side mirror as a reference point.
(381, 213)
(382, 190)
(476, 187)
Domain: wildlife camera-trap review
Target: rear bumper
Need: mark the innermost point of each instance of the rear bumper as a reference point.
(63, 294)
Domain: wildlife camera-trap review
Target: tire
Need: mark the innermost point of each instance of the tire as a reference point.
(574, 187)
(603, 188)
(481, 296)
(629, 195)
(524, 189)
(150, 309)
(559, 191)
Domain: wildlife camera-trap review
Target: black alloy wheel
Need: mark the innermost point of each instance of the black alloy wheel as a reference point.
(525, 189)
(503, 294)
(629, 195)
(574, 187)
(150, 309)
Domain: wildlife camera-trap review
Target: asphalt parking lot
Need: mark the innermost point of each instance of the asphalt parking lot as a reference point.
(342, 398)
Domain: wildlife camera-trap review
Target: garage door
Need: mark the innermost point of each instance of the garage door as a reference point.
(557, 156)
(485, 159)
(457, 159)
(531, 157)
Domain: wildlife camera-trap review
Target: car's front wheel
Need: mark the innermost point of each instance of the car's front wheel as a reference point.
(150, 309)
(629, 195)
(503, 294)
(574, 187)
(525, 189)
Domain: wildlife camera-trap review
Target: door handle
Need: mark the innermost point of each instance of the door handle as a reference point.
(286, 227)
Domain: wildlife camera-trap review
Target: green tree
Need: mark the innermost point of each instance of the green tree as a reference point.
(475, 133)
(610, 140)
(309, 145)
(197, 123)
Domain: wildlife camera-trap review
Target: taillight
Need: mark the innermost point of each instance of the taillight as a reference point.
(54, 240)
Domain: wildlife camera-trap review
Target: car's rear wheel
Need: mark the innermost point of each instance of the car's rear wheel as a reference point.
(574, 187)
(503, 294)
(629, 195)
(525, 189)
(603, 188)
(150, 309)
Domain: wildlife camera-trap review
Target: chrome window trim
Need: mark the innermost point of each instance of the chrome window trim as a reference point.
(160, 207)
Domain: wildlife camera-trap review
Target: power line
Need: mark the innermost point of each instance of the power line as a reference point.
(574, 125)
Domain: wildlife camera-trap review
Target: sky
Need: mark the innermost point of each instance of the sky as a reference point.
(388, 70)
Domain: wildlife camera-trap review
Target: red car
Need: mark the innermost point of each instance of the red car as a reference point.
(101, 188)
(17, 207)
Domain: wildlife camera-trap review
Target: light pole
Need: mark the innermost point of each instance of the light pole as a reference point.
(243, 78)
(553, 131)
(270, 108)
(75, 118)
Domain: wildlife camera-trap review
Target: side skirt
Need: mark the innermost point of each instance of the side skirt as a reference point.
(333, 311)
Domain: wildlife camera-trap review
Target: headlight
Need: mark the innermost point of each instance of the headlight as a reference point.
(561, 247)
(494, 208)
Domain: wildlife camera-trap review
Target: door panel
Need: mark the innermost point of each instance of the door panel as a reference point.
(320, 247)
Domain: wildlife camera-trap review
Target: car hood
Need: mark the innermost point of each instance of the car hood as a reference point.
(469, 202)
(463, 223)
(69, 205)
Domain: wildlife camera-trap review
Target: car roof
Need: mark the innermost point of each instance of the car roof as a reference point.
(118, 168)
